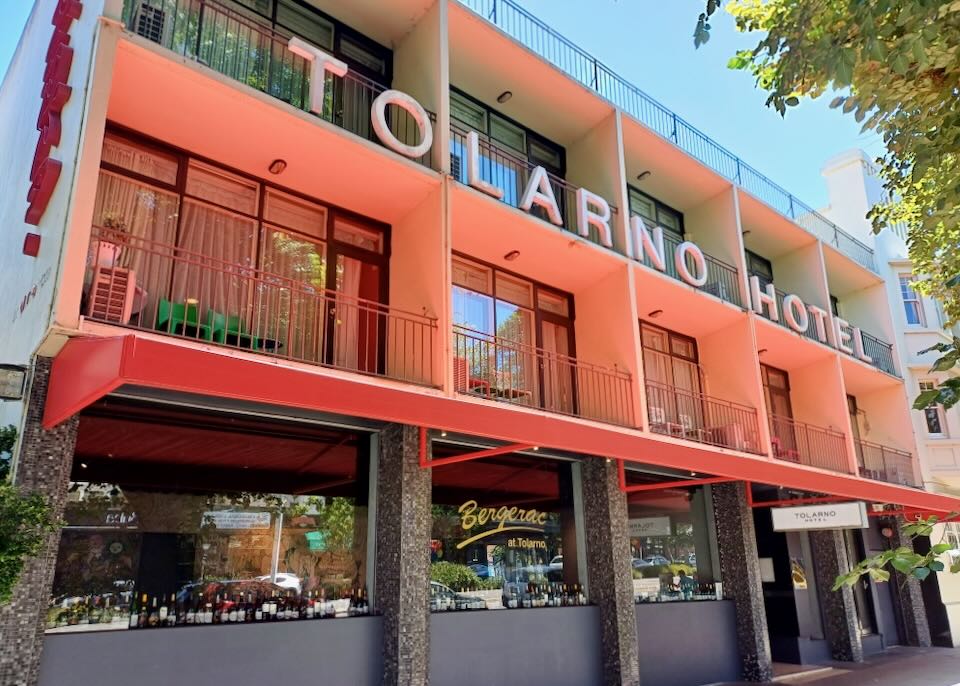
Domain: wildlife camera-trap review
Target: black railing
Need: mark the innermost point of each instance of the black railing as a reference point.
(807, 444)
(883, 463)
(880, 352)
(509, 171)
(257, 55)
(161, 288)
(697, 417)
(587, 70)
(722, 278)
(500, 369)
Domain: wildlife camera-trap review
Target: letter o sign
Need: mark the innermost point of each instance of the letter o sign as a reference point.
(680, 255)
(795, 312)
(378, 113)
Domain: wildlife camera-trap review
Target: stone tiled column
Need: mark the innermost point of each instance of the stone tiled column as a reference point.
(43, 467)
(837, 608)
(402, 566)
(907, 594)
(608, 569)
(740, 573)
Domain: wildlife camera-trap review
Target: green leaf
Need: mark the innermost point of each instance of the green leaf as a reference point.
(837, 101)
(921, 573)
(879, 575)
(935, 566)
(792, 101)
(925, 399)
(940, 548)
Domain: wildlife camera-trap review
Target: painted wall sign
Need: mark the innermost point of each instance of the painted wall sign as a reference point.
(643, 243)
(505, 518)
(649, 526)
(45, 171)
(817, 517)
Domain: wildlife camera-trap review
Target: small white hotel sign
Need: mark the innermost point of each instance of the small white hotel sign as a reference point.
(649, 526)
(815, 517)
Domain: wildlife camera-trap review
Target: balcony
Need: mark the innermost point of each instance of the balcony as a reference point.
(722, 278)
(883, 463)
(508, 171)
(697, 417)
(165, 289)
(500, 369)
(257, 56)
(807, 444)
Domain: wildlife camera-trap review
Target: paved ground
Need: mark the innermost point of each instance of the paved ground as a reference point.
(896, 667)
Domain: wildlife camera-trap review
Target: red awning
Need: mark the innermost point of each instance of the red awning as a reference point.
(90, 368)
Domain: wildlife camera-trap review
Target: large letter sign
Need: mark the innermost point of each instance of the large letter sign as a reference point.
(45, 171)
(320, 64)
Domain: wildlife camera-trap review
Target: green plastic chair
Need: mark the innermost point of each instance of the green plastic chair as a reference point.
(221, 326)
(179, 318)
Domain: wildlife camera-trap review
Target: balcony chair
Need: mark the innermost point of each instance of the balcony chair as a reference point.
(230, 330)
(464, 383)
(789, 454)
(182, 319)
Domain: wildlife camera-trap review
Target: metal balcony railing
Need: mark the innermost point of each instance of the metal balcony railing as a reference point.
(500, 369)
(240, 47)
(165, 289)
(697, 417)
(722, 278)
(880, 352)
(811, 330)
(883, 463)
(807, 444)
(536, 36)
(509, 171)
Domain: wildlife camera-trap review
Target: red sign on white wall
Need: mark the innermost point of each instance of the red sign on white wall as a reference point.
(45, 172)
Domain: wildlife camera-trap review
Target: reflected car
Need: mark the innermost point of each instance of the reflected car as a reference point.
(285, 580)
(640, 562)
(656, 561)
(556, 563)
(481, 570)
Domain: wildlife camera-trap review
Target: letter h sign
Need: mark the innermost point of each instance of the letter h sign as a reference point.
(45, 171)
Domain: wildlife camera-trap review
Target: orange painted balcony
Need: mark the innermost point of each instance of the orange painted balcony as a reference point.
(695, 416)
(883, 463)
(501, 369)
(241, 47)
(807, 444)
(507, 170)
(143, 284)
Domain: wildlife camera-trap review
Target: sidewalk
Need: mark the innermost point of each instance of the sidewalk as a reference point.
(898, 666)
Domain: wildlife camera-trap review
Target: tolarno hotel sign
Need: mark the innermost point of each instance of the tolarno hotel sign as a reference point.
(593, 211)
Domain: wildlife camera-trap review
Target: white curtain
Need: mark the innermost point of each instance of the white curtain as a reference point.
(557, 370)
(350, 318)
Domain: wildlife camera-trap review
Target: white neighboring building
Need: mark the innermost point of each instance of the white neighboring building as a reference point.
(853, 189)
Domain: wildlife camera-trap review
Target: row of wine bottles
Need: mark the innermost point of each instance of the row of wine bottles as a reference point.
(237, 608)
(547, 595)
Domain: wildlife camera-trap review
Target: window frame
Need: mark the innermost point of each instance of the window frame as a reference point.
(940, 414)
(903, 280)
(658, 207)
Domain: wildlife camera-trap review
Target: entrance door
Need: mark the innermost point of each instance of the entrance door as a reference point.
(776, 393)
(862, 597)
(556, 373)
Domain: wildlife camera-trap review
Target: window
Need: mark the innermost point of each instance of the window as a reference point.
(933, 416)
(178, 533)
(674, 381)
(760, 267)
(835, 305)
(656, 213)
(912, 304)
(671, 544)
(513, 339)
(503, 534)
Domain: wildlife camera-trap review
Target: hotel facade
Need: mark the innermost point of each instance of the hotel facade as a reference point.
(414, 342)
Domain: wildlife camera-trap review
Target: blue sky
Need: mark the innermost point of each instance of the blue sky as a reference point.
(649, 43)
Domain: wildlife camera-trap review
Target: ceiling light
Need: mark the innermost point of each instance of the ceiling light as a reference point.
(512, 255)
(83, 465)
(644, 174)
(655, 314)
(443, 433)
(504, 96)
(277, 166)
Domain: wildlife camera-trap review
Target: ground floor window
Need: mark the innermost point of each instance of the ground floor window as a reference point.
(503, 534)
(198, 524)
(672, 543)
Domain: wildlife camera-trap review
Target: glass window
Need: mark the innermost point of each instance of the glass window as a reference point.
(356, 52)
(295, 213)
(546, 155)
(933, 416)
(145, 548)
(554, 303)
(472, 276)
(223, 188)
(503, 535)
(469, 113)
(514, 290)
(655, 212)
(305, 23)
(507, 133)
(140, 159)
(912, 304)
(358, 235)
(671, 544)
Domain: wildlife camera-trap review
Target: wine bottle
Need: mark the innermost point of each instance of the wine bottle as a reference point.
(134, 613)
(232, 614)
(154, 617)
(163, 612)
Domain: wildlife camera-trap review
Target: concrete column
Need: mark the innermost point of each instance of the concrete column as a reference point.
(608, 570)
(43, 467)
(910, 609)
(839, 612)
(740, 573)
(402, 565)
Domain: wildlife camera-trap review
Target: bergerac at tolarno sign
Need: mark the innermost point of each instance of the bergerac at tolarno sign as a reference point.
(820, 517)
(593, 211)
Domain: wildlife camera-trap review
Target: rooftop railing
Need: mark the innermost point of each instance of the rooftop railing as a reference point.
(883, 463)
(698, 417)
(510, 172)
(722, 279)
(253, 53)
(162, 288)
(500, 369)
(587, 70)
(807, 444)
